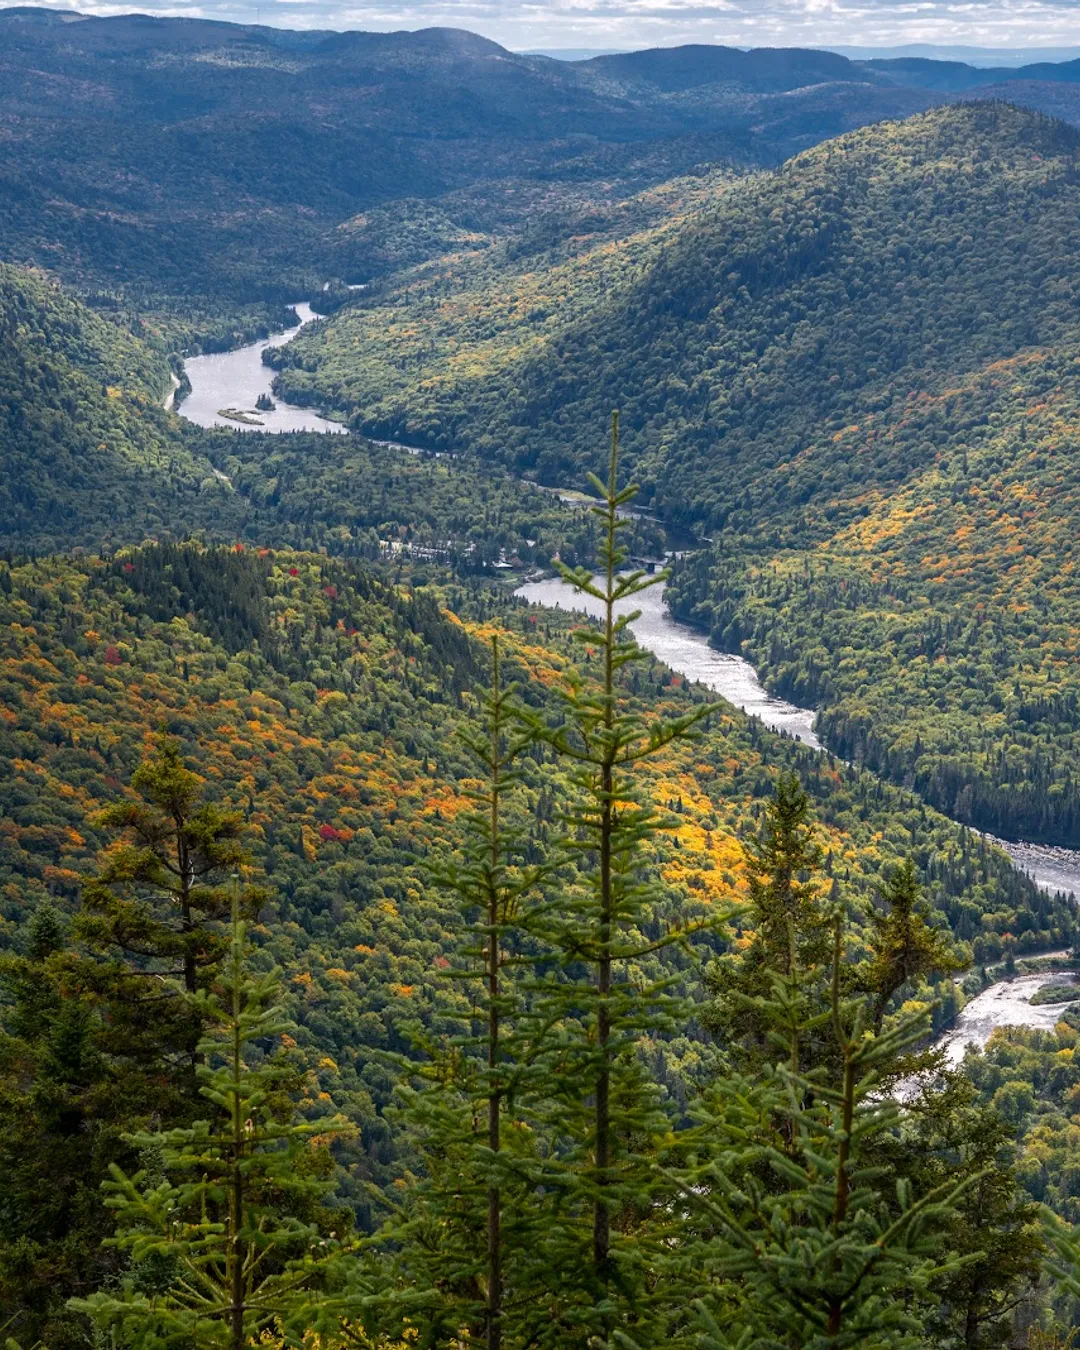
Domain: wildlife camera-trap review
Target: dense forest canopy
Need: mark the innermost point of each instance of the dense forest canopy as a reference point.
(385, 963)
(318, 703)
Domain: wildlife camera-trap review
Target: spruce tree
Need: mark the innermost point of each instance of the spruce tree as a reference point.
(946, 1135)
(806, 1233)
(463, 1234)
(791, 929)
(219, 1225)
(151, 914)
(905, 947)
(605, 1120)
(805, 1241)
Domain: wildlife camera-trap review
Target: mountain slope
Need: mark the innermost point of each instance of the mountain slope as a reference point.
(859, 374)
(785, 303)
(86, 448)
(323, 703)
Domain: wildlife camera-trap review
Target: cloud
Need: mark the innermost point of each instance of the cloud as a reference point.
(525, 24)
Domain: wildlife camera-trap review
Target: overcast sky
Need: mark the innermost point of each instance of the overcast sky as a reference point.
(623, 24)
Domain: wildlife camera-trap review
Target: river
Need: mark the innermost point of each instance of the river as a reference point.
(1005, 1004)
(688, 653)
(686, 650)
(234, 380)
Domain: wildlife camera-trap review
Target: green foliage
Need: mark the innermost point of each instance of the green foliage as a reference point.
(905, 947)
(1030, 1079)
(949, 1138)
(814, 373)
(148, 914)
(462, 1241)
(62, 1110)
(217, 1249)
(319, 702)
(799, 1235)
(605, 1121)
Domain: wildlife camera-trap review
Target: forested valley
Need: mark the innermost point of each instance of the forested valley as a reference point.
(387, 961)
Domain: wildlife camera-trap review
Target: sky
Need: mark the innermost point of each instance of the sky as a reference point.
(628, 24)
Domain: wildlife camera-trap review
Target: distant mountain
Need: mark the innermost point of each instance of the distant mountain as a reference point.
(572, 53)
(172, 157)
(189, 164)
(916, 72)
(766, 70)
(972, 56)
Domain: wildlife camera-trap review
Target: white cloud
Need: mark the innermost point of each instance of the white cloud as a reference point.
(635, 23)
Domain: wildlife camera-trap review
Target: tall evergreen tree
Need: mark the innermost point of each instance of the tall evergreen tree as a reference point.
(220, 1223)
(810, 1236)
(464, 1235)
(605, 1119)
(153, 912)
(806, 1242)
(790, 922)
(905, 947)
(947, 1136)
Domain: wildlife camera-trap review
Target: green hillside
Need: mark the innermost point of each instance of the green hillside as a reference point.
(858, 375)
(88, 451)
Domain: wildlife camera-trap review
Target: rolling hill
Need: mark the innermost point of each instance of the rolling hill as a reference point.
(243, 148)
(858, 374)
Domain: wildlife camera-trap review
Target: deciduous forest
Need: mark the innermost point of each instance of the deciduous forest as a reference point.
(388, 961)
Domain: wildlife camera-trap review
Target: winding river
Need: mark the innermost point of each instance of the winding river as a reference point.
(234, 380)
(687, 652)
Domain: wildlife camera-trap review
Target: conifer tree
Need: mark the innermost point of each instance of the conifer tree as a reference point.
(604, 1117)
(463, 1234)
(62, 1108)
(947, 1135)
(805, 1240)
(791, 929)
(153, 910)
(904, 945)
(810, 1234)
(219, 1223)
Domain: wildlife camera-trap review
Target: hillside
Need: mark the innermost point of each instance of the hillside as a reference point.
(324, 706)
(255, 162)
(87, 448)
(815, 370)
(244, 148)
(324, 703)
